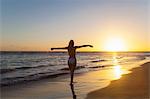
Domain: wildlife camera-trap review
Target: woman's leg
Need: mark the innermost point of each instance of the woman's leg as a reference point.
(72, 68)
(71, 73)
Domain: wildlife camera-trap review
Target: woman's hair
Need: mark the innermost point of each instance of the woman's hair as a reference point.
(71, 43)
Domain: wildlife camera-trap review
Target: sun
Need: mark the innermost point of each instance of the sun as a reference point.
(115, 44)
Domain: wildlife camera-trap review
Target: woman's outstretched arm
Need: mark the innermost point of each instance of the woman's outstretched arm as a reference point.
(59, 48)
(83, 46)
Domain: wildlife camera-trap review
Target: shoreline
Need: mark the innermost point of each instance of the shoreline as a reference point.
(134, 85)
(59, 88)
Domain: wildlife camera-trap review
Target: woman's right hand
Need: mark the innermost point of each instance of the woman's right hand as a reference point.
(90, 46)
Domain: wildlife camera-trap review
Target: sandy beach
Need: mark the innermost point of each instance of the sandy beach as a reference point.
(87, 85)
(131, 86)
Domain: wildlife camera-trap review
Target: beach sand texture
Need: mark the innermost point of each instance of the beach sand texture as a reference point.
(131, 86)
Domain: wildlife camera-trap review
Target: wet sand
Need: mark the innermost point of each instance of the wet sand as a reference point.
(135, 85)
(56, 88)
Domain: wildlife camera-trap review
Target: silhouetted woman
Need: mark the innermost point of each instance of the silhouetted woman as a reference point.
(72, 56)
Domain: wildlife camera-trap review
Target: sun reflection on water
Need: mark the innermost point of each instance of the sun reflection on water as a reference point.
(117, 72)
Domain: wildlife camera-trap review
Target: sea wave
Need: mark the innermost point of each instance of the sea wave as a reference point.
(7, 70)
(5, 81)
(33, 77)
(77, 68)
(42, 75)
(100, 60)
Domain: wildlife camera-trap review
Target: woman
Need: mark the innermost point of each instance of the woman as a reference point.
(72, 56)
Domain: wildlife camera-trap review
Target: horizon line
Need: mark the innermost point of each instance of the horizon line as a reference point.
(76, 51)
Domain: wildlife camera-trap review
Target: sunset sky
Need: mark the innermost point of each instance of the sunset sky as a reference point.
(109, 25)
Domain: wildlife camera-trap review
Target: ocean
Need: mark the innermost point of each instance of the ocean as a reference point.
(22, 67)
